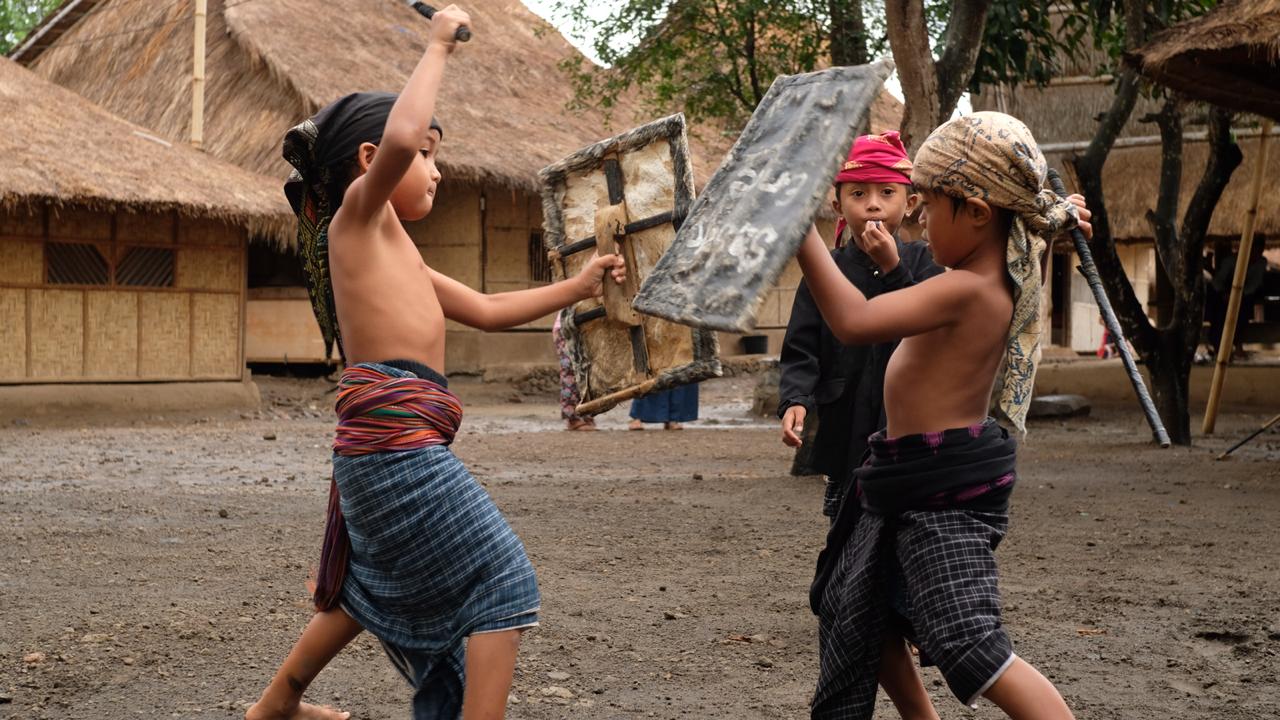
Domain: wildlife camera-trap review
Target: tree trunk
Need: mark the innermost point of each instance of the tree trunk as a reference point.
(960, 45)
(1170, 368)
(913, 56)
(848, 32)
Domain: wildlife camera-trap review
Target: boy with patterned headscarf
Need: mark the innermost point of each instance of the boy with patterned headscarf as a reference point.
(415, 551)
(911, 553)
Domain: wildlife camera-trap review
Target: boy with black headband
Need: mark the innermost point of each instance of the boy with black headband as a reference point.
(415, 551)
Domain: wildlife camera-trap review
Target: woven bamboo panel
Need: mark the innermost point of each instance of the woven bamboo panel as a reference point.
(164, 345)
(13, 334)
(144, 228)
(111, 334)
(207, 232)
(21, 261)
(216, 326)
(21, 224)
(57, 334)
(79, 224)
(209, 269)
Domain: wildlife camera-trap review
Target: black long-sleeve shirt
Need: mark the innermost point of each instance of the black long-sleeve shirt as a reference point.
(844, 385)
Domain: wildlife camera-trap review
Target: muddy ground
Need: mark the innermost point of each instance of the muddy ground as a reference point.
(156, 568)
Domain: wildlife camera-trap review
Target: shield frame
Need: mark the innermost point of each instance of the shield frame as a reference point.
(594, 329)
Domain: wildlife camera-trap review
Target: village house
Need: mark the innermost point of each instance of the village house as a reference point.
(122, 255)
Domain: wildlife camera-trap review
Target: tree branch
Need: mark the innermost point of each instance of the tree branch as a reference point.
(1165, 217)
(912, 53)
(961, 42)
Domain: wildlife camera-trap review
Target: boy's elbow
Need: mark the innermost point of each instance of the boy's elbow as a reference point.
(846, 333)
(402, 136)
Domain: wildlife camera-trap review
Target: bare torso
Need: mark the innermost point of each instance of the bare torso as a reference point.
(387, 306)
(943, 379)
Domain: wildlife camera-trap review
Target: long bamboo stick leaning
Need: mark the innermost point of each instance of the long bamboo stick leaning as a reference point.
(1237, 286)
(1090, 272)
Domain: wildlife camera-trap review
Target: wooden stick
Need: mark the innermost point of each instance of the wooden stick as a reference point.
(1090, 273)
(197, 78)
(1237, 286)
(1252, 435)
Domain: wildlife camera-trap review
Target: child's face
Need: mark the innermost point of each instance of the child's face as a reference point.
(953, 233)
(858, 202)
(415, 195)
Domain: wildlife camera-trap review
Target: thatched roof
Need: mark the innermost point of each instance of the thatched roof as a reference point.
(61, 149)
(1229, 57)
(273, 62)
(1131, 177)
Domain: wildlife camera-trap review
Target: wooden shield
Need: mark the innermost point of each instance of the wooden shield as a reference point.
(756, 209)
(627, 194)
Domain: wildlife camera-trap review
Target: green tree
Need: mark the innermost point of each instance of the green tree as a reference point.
(716, 58)
(18, 17)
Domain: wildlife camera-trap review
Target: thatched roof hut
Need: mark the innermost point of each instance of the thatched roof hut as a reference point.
(1131, 175)
(122, 255)
(61, 149)
(1229, 57)
(272, 62)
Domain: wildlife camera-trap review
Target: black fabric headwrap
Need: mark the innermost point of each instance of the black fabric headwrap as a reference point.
(319, 149)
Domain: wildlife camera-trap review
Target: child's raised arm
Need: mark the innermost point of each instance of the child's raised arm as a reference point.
(408, 123)
(854, 320)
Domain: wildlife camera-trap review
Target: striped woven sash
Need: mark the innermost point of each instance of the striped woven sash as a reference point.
(378, 413)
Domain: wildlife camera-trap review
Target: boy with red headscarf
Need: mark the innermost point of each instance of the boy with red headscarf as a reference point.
(844, 384)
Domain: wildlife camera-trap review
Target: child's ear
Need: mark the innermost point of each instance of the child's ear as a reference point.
(978, 211)
(364, 155)
(913, 201)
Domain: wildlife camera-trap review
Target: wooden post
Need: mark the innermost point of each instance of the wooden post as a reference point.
(197, 78)
(1237, 285)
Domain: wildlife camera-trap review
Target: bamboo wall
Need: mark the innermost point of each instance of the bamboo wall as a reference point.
(183, 321)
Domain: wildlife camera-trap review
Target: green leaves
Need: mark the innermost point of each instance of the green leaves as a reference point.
(18, 17)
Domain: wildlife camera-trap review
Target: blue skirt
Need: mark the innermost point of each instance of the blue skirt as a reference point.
(675, 405)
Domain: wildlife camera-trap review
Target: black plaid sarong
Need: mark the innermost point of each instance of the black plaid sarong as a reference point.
(911, 553)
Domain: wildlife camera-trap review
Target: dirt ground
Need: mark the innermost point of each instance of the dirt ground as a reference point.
(156, 568)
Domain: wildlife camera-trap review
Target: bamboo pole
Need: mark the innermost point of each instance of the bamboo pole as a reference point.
(1089, 270)
(197, 77)
(1237, 285)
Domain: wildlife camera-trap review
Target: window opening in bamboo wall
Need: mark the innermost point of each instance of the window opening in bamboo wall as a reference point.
(75, 264)
(145, 267)
(539, 263)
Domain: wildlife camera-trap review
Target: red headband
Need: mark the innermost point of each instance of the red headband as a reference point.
(874, 159)
(877, 159)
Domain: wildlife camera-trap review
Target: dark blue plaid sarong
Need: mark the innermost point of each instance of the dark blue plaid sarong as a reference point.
(432, 561)
(912, 553)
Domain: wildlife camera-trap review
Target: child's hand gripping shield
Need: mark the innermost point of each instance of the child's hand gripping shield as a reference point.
(755, 211)
(627, 195)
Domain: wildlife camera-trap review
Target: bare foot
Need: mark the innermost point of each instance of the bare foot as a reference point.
(301, 711)
(672, 426)
(635, 425)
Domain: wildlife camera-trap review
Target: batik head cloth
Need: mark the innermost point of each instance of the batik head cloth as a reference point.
(321, 150)
(993, 157)
(874, 159)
